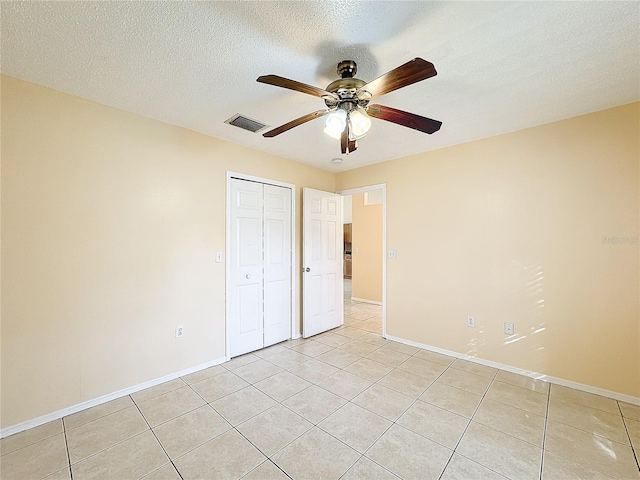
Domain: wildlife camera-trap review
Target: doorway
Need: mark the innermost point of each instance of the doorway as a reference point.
(365, 259)
(260, 263)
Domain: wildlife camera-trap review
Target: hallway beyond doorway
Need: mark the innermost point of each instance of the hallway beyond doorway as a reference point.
(364, 316)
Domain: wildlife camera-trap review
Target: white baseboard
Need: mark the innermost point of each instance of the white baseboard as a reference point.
(520, 371)
(364, 300)
(5, 432)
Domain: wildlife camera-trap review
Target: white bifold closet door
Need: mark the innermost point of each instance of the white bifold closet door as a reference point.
(260, 265)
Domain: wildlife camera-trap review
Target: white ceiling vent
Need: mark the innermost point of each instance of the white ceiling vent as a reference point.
(246, 123)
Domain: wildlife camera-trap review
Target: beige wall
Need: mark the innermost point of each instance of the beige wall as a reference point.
(367, 261)
(110, 224)
(111, 221)
(347, 215)
(511, 228)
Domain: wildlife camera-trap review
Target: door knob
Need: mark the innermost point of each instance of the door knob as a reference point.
(307, 269)
(248, 276)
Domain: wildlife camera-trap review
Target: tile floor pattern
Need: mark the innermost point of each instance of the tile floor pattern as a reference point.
(346, 404)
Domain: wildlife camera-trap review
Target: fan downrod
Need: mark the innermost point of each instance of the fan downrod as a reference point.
(347, 68)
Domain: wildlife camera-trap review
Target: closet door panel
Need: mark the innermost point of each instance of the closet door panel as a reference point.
(246, 299)
(277, 264)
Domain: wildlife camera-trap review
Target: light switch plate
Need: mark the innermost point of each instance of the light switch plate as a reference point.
(393, 254)
(218, 257)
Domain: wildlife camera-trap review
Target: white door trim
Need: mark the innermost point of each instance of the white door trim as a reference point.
(383, 186)
(294, 271)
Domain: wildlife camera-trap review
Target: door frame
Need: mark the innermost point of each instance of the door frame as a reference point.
(227, 251)
(383, 186)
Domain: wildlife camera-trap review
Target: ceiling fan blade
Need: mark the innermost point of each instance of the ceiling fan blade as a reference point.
(293, 85)
(353, 145)
(406, 119)
(294, 123)
(344, 140)
(411, 72)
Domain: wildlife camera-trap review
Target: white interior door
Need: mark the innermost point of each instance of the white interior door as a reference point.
(322, 260)
(277, 264)
(246, 230)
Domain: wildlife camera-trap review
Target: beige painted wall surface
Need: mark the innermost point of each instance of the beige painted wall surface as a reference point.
(367, 262)
(512, 229)
(110, 224)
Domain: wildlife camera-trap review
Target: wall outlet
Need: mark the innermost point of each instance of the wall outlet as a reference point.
(179, 331)
(471, 322)
(218, 257)
(508, 328)
(393, 254)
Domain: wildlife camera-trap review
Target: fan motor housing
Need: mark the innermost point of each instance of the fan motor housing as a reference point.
(345, 84)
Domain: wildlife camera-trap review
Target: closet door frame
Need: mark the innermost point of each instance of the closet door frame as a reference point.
(295, 321)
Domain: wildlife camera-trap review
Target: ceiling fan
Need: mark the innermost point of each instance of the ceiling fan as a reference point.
(347, 100)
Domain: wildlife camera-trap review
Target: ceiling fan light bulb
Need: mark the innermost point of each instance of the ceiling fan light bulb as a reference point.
(332, 133)
(336, 123)
(360, 123)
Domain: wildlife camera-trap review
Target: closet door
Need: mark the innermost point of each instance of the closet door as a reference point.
(246, 234)
(277, 264)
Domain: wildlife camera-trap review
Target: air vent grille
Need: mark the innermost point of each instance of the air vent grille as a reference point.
(245, 123)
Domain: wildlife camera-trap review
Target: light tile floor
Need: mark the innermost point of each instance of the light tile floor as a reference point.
(345, 404)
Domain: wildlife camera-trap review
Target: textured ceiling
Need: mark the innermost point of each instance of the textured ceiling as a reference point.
(502, 66)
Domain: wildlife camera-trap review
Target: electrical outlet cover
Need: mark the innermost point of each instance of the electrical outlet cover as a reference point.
(471, 322)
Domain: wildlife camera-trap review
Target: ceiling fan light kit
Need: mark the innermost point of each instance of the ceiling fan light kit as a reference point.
(359, 123)
(347, 101)
(335, 123)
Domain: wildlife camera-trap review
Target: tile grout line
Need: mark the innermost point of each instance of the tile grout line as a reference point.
(28, 444)
(395, 422)
(159, 442)
(206, 404)
(275, 465)
(376, 382)
(110, 446)
(332, 348)
(593, 434)
(468, 424)
(471, 419)
(544, 434)
(528, 412)
(119, 442)
(373, 461)
(633, 450)
(66, 443)
(317, 425)
(267, 457)
(412, 404)
(303, 433)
